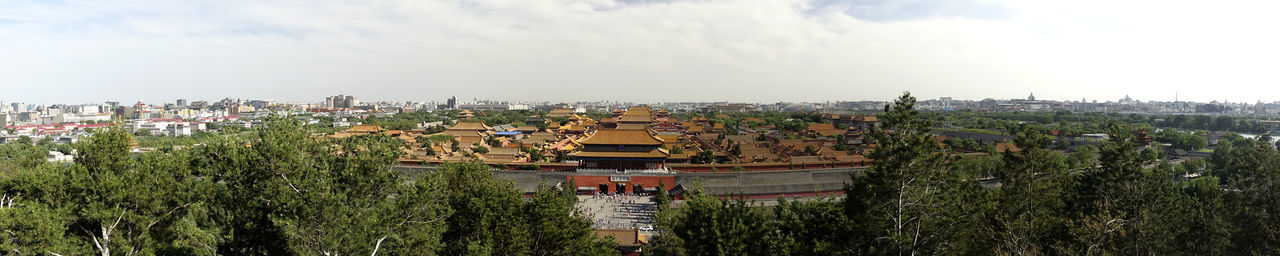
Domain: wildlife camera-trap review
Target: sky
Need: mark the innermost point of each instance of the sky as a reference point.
(76, 51)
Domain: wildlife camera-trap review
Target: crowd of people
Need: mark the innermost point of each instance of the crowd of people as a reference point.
(618, 211)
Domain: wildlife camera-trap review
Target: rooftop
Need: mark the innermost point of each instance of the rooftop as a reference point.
(470, 126)
(656, 153)
(622, 137)
(365, 128)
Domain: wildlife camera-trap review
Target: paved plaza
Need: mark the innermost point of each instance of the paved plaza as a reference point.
(618, 211)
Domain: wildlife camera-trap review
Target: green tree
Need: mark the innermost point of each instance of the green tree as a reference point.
(560, 227)
(1119, 207)
(706, 225)
(289, 193)
(486, 215)
(909, 201)
(1248, 169)
(662, 199)
(352, 202)
(1030, 216)
(812, 227)
(704, 157)
(134, 205)
(31, 216)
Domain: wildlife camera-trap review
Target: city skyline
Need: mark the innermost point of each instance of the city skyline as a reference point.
(443, 97)
(673, 51)
(461, 100)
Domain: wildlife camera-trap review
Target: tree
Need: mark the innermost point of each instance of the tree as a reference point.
(1248, 170)
(704, 157)
(355, 203)
(24, 140)
(486, 215)
(1031, 215)
(30, 216)
(909, 201)
(429, 150)
(662, 199)
(289, 193)
(706, 225)
(811, 227)
(1084, 157)
(561, 228)
(1123, 207)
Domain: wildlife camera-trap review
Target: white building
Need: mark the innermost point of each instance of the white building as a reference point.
(59, 157)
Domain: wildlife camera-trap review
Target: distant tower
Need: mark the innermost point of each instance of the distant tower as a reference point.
(1032, 97)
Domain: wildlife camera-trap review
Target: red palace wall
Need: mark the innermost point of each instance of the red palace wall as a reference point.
(644, 181)
(765, 166)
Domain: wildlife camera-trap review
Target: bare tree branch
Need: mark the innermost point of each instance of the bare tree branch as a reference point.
(153, 223)
(377, 245)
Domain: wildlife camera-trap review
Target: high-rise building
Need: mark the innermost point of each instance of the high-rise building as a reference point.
(341, 101)
(182, 103)
(451, 103)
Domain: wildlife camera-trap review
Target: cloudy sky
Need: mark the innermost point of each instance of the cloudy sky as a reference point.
(637, 50)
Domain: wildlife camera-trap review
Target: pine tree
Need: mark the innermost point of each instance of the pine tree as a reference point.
(909, 202)
(1030, 217)
(486, 215)
(561, 228)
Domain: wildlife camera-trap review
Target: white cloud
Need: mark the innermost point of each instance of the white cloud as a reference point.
(748, 50)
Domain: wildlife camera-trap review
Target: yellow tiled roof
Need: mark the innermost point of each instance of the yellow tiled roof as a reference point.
(656, 153)
(622, 137)
(471, 126)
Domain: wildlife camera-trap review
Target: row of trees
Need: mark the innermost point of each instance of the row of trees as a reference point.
(1214, 123)
(1182, 139)
(277, 192)
(916, 200)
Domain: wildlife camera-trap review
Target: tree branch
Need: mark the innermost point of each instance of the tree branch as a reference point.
(165, 215)
(376, 245)
(286, 181)
(95, 240)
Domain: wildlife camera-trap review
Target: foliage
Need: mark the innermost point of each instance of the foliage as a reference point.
(706, 225)
(403, 121)
(278, 191)
(1180, 139)
(491, 218)
(703, 157)
(910, 201)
